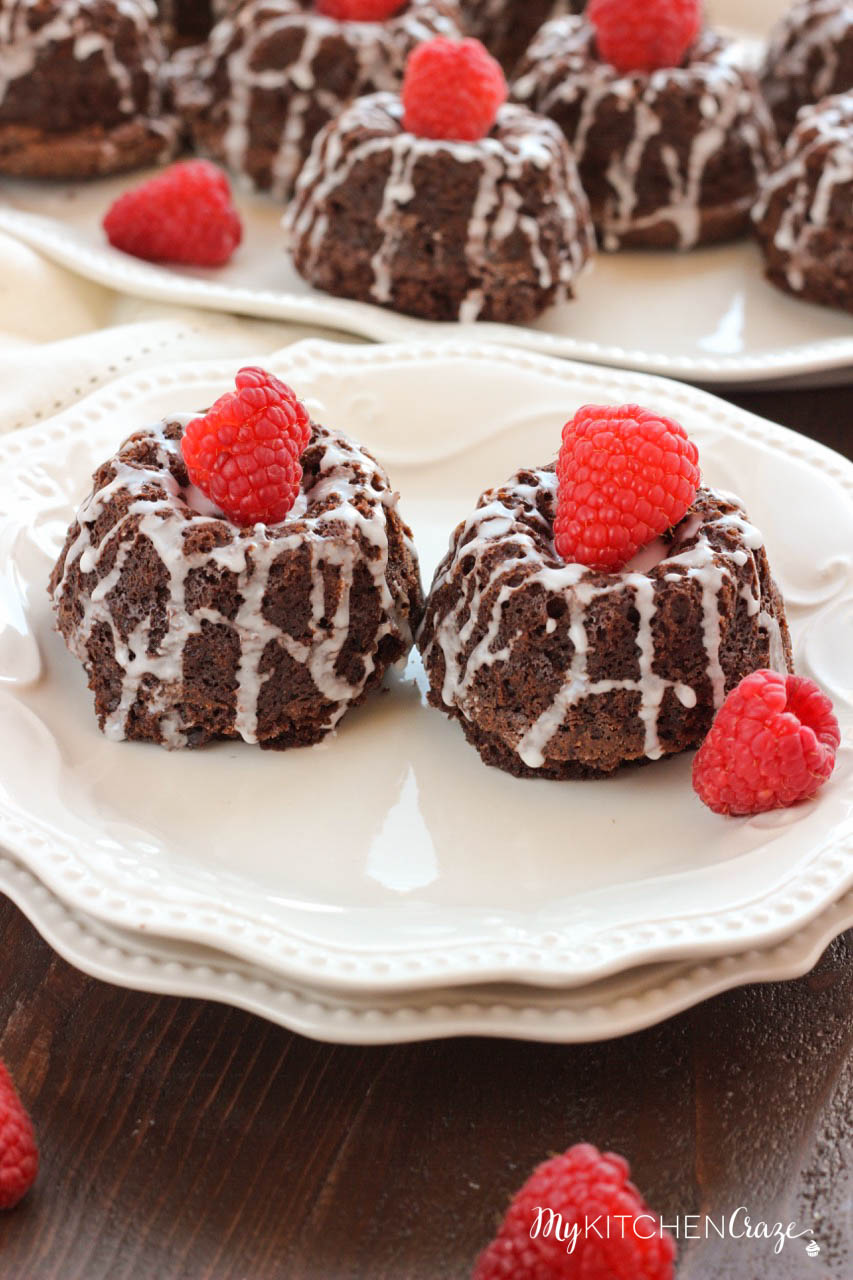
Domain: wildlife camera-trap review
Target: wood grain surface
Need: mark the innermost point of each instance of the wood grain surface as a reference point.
(182, 1139)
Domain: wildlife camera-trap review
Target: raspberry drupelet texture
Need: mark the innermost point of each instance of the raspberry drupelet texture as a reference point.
(625, 476)
(646, 36)
(18, 1153)
(580, 1186)
(244, 452)
(359, 10)
(183, 215)
(772, 744)
(452, 89)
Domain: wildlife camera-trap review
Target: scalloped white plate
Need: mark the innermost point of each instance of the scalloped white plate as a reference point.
(707, 316)
(390, 857)
(615, 1006)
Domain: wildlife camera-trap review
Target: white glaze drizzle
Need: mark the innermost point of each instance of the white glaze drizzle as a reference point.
(561, 68)
(507, 515)
(237, 44)
(81, 22)
(326, 520)
(817, 163)
(802, 61)
(373, 125)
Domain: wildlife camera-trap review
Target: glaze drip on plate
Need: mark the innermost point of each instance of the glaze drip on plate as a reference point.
(557, 671)
(669, 158)
(191, 628)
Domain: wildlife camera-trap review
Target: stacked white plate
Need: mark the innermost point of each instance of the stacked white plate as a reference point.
(386, 885)
(736, 328)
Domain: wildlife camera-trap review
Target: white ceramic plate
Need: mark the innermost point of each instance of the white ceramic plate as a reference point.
(390, 857)
(615, 1006)
(706, 316)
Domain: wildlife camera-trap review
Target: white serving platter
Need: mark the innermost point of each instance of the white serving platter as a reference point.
(707, 316)
(390, 857)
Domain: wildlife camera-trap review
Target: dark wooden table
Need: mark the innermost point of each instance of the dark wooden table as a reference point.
(184, 1139)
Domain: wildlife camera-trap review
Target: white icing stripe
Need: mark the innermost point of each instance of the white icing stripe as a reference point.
(514, 515)
(373, 126)
(244, 48)
(561, 71)
(333, 537)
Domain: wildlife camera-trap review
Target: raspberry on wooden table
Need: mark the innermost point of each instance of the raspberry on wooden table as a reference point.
(19, 1160)
(452, 89)
(644, 36)
(772, 744)
(625, 475)
(244, 452)
(183, 215)
(562, 1196)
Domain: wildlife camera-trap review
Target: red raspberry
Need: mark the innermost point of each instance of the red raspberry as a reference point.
(590, 1192)
(244, 453)
(359, 10)
(625, 476)
(772, 744)
(452, 89)
(19, 1158)
(182, 215)
(647, 35)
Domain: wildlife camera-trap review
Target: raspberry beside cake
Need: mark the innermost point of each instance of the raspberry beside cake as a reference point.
(804, 217)
(809, 56)
(669, 157)
(274, 72)
(80, 88)
(556, 669)
(193, 626)
(404, 203)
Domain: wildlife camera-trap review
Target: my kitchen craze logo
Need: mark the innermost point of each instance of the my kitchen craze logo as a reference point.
(690, 1226)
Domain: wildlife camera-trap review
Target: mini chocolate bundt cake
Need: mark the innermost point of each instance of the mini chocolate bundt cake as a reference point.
(192, 628)
(275, 71)
(809, 56)
(804, 217)
(557, 671)
(81, 88)
(670, 158)
(506, 27)
(495, 229)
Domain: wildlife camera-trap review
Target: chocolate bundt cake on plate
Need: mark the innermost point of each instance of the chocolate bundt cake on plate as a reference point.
(804, 217)
(274, 72)
(558, 670)
(81, 88)
(670, 158)
(809, 56)
(191, 627)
